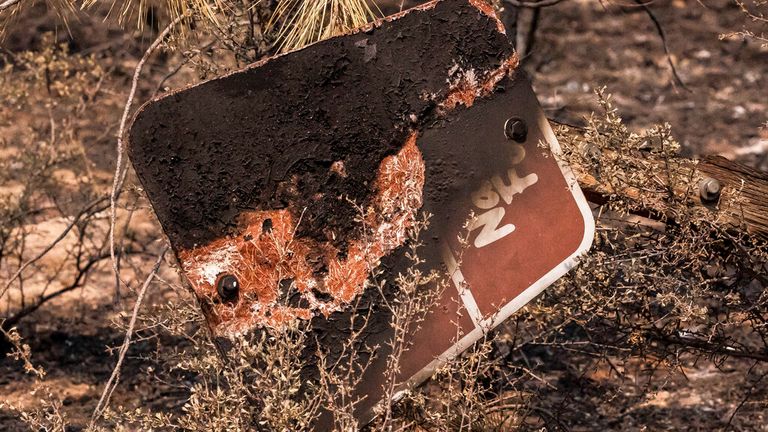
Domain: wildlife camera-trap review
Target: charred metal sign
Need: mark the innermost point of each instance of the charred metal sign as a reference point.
(282, 185)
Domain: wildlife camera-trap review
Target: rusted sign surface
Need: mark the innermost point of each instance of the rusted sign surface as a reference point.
(281, 186)
(308, 137)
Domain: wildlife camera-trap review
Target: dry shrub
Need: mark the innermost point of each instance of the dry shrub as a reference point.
(255, 387)
(659, 294)
(298, 23)
(247, 28)
(756, 11)
(48, 416)
(46, 178)
(465, 394)
(694, 280)
(259, 381)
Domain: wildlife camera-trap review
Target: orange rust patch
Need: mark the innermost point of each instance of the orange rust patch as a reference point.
(338, 168)
(271, 264)
(488, 10)
(467, 87)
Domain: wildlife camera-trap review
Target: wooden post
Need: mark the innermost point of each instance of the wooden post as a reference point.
(737, 195)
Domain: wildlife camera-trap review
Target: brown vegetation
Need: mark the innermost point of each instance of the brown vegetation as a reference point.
(663, 326)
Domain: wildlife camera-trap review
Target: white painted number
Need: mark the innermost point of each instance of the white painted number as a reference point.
(488, 197)
(489, 222)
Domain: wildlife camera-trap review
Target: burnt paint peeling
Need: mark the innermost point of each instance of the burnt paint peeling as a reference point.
(281, 276)
(266, 137)
(265, 173)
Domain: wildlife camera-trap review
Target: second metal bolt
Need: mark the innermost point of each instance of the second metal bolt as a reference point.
(516, 129)
(709, 189)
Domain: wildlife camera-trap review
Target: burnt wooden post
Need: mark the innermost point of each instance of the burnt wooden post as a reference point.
(726, 190)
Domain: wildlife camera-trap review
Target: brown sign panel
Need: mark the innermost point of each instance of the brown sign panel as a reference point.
(281, 186)
(529, 225)
(528, 222)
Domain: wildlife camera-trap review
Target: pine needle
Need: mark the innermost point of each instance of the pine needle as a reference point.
(125, 9)
(297, 23)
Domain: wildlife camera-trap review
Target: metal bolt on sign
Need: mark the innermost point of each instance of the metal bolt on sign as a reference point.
(516, 129)
(227, 287)
(258, 179)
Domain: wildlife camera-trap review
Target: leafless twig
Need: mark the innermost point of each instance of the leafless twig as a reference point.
(113, 379)
(120, 171)
(88, 209)
(663, 36)
(8, 3)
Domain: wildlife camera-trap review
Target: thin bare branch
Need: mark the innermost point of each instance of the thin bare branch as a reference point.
(114, 378)
(8, 4)
(88, 209)
(663, 36)
(120, 171)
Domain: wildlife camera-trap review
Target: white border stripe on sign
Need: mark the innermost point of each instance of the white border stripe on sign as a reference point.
(461, 286)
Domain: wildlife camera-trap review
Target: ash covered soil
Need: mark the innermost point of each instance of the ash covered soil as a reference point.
(585, 44)
(579, 45)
